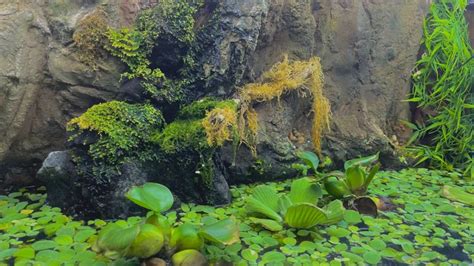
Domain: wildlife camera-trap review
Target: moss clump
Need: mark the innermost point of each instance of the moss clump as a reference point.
(90, 37)
(181, 135)
(200, 108)
(303, 76)
(220, 125)
(169, 24)
(123, 129)
(199, 126)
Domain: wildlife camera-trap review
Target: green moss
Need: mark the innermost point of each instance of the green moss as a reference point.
(123, 129)
(172, 23)
(181, 135)
(198, 109)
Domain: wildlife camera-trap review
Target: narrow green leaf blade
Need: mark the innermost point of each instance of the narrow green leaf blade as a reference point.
(361, 161)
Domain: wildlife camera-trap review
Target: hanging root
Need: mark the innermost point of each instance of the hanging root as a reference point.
(281, 78)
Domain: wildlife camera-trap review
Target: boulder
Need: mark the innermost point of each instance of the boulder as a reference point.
(42, 83)
(59, 175)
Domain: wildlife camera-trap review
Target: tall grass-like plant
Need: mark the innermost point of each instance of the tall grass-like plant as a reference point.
(443, 89)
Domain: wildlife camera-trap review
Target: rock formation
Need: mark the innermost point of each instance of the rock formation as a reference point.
(367, 48)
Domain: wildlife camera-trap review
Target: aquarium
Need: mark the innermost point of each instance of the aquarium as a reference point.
(204, 132)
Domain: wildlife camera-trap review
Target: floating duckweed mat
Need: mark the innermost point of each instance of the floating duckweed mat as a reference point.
(421, 228)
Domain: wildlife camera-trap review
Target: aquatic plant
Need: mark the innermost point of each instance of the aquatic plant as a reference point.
(148, 237)
(298, 209)
(443, 83)
(31, 232)
(285, 76)
(310, 162)
(355, 180)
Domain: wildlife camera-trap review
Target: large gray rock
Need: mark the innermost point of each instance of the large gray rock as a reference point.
(42, 83)
(58, 173)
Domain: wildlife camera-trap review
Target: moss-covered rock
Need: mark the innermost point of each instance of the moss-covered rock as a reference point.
(121, 130)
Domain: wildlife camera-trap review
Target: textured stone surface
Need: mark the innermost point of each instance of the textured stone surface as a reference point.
(59, 174)
(42, 84)
(368, 49)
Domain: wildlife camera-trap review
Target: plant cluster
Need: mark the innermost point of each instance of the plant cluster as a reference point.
(90, 37)
(350, 185)
(149, 237)
(170, 20)
(298, 209)
(443, 84)
(32, 232)
(355, 180)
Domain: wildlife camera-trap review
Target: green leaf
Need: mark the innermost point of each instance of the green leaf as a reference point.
(161, 222)
(352, 217)
(152, 196)
(378, 244)
(457, 194)
(283, 203)
(49, 257)
(264, 201)
(355, 178)
(64, 240)
(310, 158)
(371, 175)
(114, 237)
(225, 231)
(304, 191)
(336, 188)
(188, 257)
(273, 257)
(148, 242)
(338, 232)
(364, 161)
(249, 254)
(186, 236)
(267, 195)
(334, 212)
(7, 253)
(267, 224)
(24, 253)
(83, 235)
(372, 257)
(44, 244)
(304, 215)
